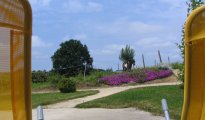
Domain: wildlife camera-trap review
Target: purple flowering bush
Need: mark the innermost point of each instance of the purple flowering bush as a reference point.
(147, 75)
(117, 79)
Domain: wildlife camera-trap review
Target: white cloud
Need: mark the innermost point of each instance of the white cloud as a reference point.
(154, 42)
(80, 37)
(40, 2)
(173, 3)
(38, 55)
(127, 28)
(94, 7)
(141, 27)
(37, 42)
(74, 6)
(112, 49)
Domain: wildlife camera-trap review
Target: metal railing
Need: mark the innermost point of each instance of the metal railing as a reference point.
(40, 115)
(165, 109)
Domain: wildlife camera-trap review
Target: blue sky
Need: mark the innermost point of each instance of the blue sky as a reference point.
(106, 26)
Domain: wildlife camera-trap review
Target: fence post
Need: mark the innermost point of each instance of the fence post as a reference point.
(160, 58)
(143, 61)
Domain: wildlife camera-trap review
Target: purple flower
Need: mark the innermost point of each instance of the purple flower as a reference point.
(119, 79)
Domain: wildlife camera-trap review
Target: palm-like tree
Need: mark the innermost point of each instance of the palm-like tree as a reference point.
(127, 57)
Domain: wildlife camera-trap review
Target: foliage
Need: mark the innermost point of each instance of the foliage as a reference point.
(147, 99)
(192, 4)
(90, 80)
(153, 68)
(54, 78)
(117, 79)
(127, 55)
(42, 85)
(109, 70)
(66, 85)
(70, 59)
(177, 65)
(50, 98)
(39, 76)
(139, 76)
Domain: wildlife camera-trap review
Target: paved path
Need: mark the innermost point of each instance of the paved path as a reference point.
(98, 114)
(65, 110)
(103, 92)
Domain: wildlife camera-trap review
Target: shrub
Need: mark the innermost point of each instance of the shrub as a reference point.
(163, 68)
(177, 65)
(139, 74)
(54, 78)
(39, 76)
(117, 79)
(92, 79)
(66, 85)
(153, 68)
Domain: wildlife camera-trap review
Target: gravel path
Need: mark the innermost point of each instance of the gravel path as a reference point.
(65, 111)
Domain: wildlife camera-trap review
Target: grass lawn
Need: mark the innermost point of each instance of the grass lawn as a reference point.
(43, 85)
(49, 98)
(91, 80)
(148, 99)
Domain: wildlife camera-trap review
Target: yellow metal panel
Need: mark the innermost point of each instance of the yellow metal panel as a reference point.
(15, 60)
(194, 91)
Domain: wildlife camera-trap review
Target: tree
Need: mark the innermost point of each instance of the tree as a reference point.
(70, 59)
(127, 57)
(192, 4)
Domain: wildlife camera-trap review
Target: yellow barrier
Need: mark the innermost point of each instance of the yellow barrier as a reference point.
(194, 91)
(15, 60)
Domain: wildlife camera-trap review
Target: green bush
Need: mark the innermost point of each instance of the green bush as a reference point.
(163, 68)
(153, 68)
(92, 78)
(140, 74)
(54, 79)
(177, 65)
(66, 85)
(39, 76)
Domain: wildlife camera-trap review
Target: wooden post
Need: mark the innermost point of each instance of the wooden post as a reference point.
(143, 61)
(155, 62)
(168, 60)
(118, 66)
(160, 59)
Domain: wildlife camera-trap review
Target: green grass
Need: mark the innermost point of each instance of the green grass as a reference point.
(177, 65)
(42, 85)
(90, 80)
(50, 98)
(148, 99)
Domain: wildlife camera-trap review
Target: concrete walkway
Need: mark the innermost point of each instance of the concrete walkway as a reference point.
(65, 111)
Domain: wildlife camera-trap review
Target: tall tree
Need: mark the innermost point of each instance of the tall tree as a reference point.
(192, 4)
(70, 59)
(127, 55)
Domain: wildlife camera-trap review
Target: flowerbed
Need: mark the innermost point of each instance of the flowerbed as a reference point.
(122, 78)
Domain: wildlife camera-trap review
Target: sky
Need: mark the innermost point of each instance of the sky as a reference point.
(106, 26)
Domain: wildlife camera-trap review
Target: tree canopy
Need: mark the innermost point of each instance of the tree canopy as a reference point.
(70, 59)
(127, 55)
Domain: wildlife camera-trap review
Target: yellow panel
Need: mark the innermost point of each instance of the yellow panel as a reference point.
(15, 60)
(5, 80)
(194, 97)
